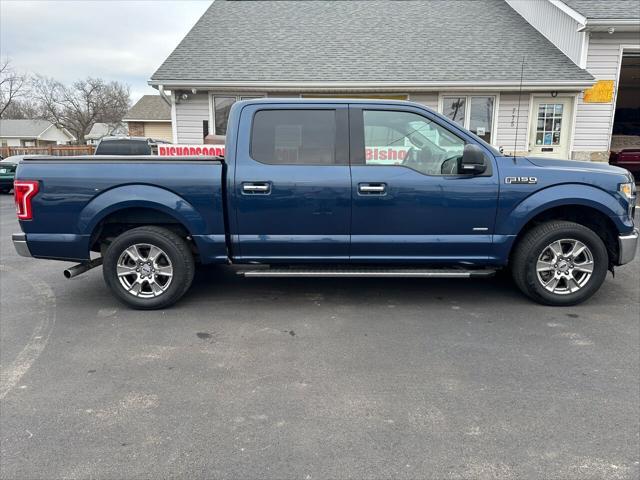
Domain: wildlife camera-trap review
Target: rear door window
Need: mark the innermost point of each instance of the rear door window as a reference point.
(294, 137)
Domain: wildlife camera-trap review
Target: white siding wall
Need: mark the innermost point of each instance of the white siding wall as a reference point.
(594, 120)
(554, 24)
(508, 120)
(54, 134)
(190, 114)
(428, 99)
(11, 142)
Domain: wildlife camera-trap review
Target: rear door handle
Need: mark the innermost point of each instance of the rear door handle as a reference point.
(256, 188)
(372, 188)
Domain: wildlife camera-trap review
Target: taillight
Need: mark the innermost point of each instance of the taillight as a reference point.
(23, 192)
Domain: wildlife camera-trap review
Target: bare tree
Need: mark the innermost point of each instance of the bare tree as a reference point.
(79, 106)
(12, 85)
(25, 108)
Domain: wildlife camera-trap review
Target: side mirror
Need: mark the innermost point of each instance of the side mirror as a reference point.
(473, 161)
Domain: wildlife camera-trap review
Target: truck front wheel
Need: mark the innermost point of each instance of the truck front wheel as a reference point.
(560, 263)
(148, 267)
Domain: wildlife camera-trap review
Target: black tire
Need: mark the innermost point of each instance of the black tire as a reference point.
(525, 257)
(174, 249)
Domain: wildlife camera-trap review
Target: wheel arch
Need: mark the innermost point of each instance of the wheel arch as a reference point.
(586, 215)
(137, 205)
(580, 203)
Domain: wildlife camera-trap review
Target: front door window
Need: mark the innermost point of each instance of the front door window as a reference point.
(410, 140)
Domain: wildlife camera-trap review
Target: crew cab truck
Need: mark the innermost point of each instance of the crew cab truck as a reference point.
(313, 188)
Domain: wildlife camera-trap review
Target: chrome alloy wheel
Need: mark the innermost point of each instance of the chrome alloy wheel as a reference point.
(565, 266)
(144, 270)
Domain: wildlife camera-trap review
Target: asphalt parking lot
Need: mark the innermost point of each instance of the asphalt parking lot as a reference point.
(314, 379)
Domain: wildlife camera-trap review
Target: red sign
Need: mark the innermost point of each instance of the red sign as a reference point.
(393, 155)
(191, 150)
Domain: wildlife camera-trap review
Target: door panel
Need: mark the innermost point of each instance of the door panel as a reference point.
(417, 217)
(551, 127)
(289, 210)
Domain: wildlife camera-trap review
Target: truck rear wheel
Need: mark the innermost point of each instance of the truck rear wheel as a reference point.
(148, 267)
(560, 263)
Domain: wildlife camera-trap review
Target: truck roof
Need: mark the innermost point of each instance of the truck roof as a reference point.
(328, 100)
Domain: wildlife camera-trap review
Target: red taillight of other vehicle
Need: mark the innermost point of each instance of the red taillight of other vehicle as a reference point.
(23, 192)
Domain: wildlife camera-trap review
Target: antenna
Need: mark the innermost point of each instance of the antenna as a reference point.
(515, 144)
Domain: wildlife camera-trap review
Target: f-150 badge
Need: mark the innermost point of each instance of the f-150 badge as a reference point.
(521, 180)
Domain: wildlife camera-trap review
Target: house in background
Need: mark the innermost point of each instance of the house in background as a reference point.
(463, 59)
(100, 130)
(32, 133)
(150, 117)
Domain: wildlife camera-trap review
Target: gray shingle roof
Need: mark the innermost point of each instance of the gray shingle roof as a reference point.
(100, 130)
(610, 9)
(358, 41)
(149, 107)
(23, 128)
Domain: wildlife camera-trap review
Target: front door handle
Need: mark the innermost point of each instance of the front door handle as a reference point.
(256, 188)
(372, 188)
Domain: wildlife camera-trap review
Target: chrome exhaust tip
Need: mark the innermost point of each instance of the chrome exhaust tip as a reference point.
(82, 267)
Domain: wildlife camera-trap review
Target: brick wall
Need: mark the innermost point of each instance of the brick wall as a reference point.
(136, 129)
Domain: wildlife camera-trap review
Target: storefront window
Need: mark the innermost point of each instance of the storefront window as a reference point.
(481, 117)
(454, 108)
(222, 106)
(475, 113)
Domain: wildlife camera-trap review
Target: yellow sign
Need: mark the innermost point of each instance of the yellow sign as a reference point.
(601, 92)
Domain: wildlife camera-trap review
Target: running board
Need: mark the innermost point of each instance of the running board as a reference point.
(366, 272)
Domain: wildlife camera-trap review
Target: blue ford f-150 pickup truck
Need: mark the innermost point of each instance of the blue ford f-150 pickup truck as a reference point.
(331, 188)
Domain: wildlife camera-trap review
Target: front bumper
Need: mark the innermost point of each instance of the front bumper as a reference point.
(628, 244)
(20, 244)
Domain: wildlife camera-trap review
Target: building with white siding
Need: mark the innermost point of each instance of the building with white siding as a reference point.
(603, 37)
(32, 133)
(523, 74)
(101, 130)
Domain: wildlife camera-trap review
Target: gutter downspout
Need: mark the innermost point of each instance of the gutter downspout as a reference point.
(163, 95)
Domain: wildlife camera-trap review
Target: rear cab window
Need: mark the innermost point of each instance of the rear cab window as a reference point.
(7, 167)
(123, 147)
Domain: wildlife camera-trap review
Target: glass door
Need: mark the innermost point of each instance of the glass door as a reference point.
(549, 134)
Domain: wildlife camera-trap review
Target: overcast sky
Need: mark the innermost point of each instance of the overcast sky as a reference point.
(113, 39)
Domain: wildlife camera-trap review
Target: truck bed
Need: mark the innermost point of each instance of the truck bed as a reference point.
(79, 195)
